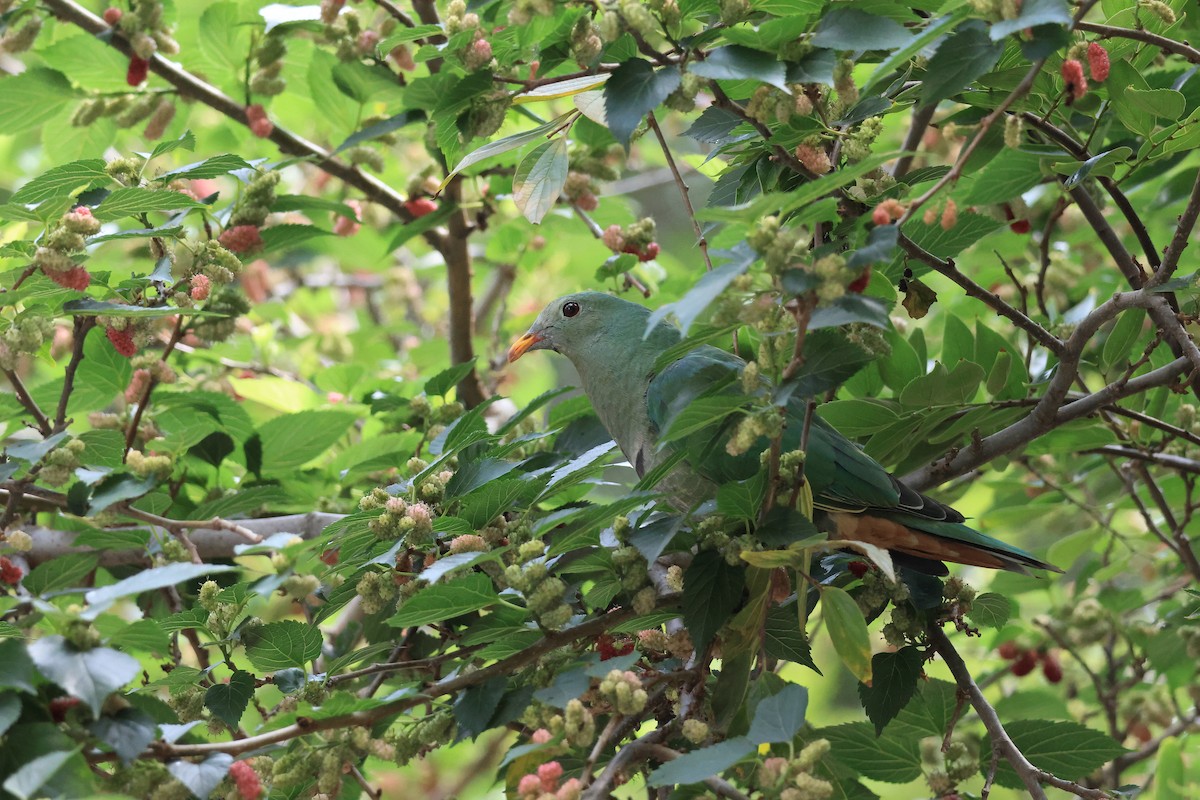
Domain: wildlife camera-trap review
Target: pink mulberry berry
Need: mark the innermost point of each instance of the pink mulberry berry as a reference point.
(549, 773)
(122, 341)
(260, 126)
(241, 239)
(529, 785)
(1072, 73)
(613, 238)
(112, 15)
(201, 287)
(1098, 63)
(137, 386)
(950, 215)
(348, 226)
(246, 780)
(813, 158)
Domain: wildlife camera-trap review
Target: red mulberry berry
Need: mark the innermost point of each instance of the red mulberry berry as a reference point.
(858, 568)
(112, 15)
(138, 69)
(10, 573)
(1072, 73)
(1008, 651)
(1098, 63)
(77, 278)
(122, 341)
(859, 284)
(1052, 668)
(649, 252)
(59, 707)
(241, 239)
(330, 557)
(548, 774)
(1025, 663)
(880, 216)
(348, 226)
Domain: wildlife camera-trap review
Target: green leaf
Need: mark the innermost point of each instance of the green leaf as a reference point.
(1033, 13)
(145, 636)
(959, 61)
(118, 487)
(208, 168)
(1121, 339)
(539, 179)
(283, 237)
(443, 601)
(293, 440)
(1102, 164)
(1010, 174)
(889, 758)
(201, 779)
(61, 181)
(895, 677)
(16, 668)
(829, 360)
(31, 776)
(779, 717)
(87, 307)
(1161, 103)
(392, 123)
(635, 89)
(847, 630)
(850, 29)
(127, 732)
(224, 43)
(783, 639)
(91, 675)
(60, 573)
(940, 387)
(735, 62)
(132, 200)
(228, 701)
(742, 499)
(712, 590)
(1067, 750)
(33, 98)
(10, 710)
(280, 645)
(148, 580)
(185, 141)
(506, 144)
(856, 418)
(700, 296)
(990, 610)
(702, 763)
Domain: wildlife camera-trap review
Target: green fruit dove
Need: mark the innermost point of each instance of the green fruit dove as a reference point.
(854, 497)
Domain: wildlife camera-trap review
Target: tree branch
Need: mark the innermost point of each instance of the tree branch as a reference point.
(683, 190)
(1030, 775)
(1142, 35)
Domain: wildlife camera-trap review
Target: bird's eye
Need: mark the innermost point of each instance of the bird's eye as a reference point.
(570, 309)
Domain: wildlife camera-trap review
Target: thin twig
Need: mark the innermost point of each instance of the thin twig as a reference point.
(26, 400)
(1170, 46)
(701, 240)
(80, 329)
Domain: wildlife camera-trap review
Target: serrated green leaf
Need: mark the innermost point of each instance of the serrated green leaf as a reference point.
(131, 200)
(635, 89)
(228, 701)
(60, 181)
(895, 678)
(280, 645)
(1067, 750)
(712, 590)
(443, 601)
(91, 675)
(889, 758)
(990, 610)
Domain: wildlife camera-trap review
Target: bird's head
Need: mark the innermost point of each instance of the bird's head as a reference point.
(574, 323)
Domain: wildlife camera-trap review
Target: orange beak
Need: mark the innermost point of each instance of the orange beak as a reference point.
(520, 346)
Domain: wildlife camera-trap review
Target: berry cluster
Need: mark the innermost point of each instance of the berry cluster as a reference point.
(25, 334)
(781, 778)
(544, 784)
(1025, 659)
(637, 238)
(947, 765)
(544, 593)
(55, 256)
(269, 57)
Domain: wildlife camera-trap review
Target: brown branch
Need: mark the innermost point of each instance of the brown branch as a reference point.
(458, 283)
(948, 268)
(26, 400)
(80, 327)
(1161, 459)
(1141, 35)
(701, 240)
(166, 751)
(916, 132)
(1183, 233)
(1030, 775)
(136, 420)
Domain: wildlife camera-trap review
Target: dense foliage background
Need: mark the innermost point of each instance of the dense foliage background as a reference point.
(269, 531)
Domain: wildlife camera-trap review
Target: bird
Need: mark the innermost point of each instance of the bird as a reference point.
(617, 355)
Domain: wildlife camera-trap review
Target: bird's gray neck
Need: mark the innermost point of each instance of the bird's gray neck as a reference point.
(616, 383)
